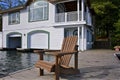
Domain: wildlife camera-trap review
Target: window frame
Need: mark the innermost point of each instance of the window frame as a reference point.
(43, 11)
(10, 20)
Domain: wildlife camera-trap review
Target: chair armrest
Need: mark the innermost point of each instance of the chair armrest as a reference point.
(62, 53)
(51, 50)
(54, 52)
(45, 50)
(38, 51)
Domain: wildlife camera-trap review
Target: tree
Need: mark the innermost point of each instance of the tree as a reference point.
(116, 35)
(6, 4)
(107, 14)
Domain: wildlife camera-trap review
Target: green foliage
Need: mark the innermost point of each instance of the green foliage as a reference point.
(117, 26)
(116, 36)
(105, 13)
(107, 19)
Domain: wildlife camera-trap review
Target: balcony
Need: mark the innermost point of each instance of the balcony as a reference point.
(67, 16)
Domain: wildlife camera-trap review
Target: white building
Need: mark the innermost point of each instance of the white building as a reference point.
(0, 39)
(44, 24)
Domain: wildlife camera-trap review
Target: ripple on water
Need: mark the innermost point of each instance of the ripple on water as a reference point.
(11, 61)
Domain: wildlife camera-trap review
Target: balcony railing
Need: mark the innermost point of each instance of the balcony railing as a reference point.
(67, 16)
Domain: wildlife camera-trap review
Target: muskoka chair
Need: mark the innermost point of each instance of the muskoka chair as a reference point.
(62, 59)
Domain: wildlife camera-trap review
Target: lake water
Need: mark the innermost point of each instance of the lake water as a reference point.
(11, 61)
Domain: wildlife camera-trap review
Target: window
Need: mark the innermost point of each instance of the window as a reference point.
(38, 11)
(14, 18)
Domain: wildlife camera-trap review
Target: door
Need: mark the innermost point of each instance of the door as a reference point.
(38, 40)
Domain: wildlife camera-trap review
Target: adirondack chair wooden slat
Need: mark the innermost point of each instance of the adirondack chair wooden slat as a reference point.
(62, 58)
(70, 44)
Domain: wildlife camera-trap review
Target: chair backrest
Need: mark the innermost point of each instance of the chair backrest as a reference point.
(69, 45)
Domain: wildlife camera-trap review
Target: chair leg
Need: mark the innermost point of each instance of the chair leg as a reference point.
(41, 72)
(76, 61)
(56, 75)
(57, 71)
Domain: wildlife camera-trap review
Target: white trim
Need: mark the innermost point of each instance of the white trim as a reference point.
(78, 9)
(71, 23)
(78, 38)
(15, 35)
(41, 9)
(82, 37)
(82, 10)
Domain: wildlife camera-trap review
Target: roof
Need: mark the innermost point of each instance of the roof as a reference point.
(28, 3)
(12, 9)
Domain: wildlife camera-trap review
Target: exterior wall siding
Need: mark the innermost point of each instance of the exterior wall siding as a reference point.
(56, 34)
(88, 17)
(0, 39)
(24, 20)
(56, 37)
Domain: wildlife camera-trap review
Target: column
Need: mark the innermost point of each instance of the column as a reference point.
(82, 10)
(2, 41)
(52, 12)
(5, 39)
(78, 9)
(82, 37)
(24, 40)
(85, 37)
(78, 38)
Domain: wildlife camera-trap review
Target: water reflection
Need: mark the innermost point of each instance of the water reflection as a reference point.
(11, 61)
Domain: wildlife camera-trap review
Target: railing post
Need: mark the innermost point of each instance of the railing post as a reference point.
(78, 9)
(79, 34)
(65, 16)
(82, 10)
